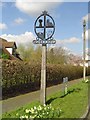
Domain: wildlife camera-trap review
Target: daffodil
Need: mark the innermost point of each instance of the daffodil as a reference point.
(27, 111)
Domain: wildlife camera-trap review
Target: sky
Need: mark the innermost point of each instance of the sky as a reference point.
(18, 18)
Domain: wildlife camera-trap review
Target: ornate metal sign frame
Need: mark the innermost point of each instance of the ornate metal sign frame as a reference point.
(44, 21)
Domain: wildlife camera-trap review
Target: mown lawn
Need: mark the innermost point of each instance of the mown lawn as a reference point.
(73, 105)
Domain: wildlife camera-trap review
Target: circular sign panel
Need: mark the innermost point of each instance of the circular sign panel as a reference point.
(44, 26)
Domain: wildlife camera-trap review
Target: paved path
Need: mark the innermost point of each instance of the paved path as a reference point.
(19, 101)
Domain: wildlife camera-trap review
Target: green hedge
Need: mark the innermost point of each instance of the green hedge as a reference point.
(19, 76)
(56, 73)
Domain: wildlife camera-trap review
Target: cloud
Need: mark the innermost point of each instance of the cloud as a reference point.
(3, 26)
(72, 40)
(35, 7)
(86, 17)
(19, 21)
(25, 38)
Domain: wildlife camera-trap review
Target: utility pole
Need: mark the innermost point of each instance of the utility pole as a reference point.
(84, 49)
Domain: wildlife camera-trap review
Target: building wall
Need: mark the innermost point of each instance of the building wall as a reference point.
(9, 50)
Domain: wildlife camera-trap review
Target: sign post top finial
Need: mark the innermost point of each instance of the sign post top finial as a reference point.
(44, 12)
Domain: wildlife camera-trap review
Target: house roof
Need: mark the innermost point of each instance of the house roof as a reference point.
(1, 39)
(7, 44)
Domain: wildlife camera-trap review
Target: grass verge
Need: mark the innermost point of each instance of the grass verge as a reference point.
(73, 105)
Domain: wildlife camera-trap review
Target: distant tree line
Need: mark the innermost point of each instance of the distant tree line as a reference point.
(55, 55)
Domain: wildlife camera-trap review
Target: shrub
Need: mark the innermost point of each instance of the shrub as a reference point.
(4, 56)
(19, 76)
(88, 71)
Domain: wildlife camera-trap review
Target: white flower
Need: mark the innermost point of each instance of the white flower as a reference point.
(47, 112)
(50, 105)
(26, 116)
(36, 112)
(32, 110)
(33, 116)
(44, 105)
(39, 108)
(86, 81)
(27, 111)
(22, 117)
(35, 107)
(43, 113)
